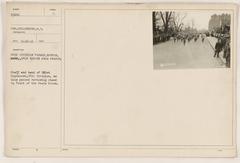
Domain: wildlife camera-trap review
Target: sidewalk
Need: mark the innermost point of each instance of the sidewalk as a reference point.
(212, 41)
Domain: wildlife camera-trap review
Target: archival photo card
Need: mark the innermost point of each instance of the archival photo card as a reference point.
(191, 39)
(120, 80)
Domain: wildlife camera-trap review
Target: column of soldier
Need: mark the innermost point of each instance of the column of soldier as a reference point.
(223, 44)
(188, 37)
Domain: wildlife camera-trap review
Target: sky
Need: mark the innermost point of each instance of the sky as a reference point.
(200, 18)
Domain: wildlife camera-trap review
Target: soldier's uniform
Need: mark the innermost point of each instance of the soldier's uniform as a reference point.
(218, 48)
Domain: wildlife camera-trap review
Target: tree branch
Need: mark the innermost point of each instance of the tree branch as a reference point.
(162, 18)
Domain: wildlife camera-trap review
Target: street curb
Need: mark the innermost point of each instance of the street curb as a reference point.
(210, 44)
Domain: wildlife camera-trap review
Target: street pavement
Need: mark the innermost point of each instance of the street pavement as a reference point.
(172, 55)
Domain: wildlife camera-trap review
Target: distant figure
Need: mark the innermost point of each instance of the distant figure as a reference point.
(184, 40)
(195, 38)
(203, 37)
(218, 48)
(174, 38)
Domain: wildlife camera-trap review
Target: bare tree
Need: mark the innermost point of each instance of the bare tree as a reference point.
(178, 20)
(193, 23)
(154, 21)
(166, 17)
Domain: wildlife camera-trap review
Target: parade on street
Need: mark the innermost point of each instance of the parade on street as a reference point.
(184, 40)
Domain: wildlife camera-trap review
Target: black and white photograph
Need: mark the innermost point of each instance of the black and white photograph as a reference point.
(191, 39)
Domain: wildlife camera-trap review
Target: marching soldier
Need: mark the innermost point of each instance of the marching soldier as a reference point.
(184, 40)
(195, 38)
(203, 37)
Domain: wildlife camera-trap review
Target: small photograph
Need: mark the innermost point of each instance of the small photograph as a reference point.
(191, 39)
